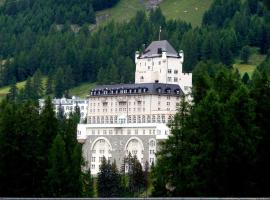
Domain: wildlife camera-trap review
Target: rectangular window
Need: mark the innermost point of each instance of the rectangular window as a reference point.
(93, 159)
(175, 71)
(169, 71)
(175, 79)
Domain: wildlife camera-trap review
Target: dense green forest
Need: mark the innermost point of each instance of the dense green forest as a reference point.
(40, 154)
(91, 55)
(220, 142)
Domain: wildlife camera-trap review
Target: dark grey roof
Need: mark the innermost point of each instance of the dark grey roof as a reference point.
(156, 47)
(142, 88)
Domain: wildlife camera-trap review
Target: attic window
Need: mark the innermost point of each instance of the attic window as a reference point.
(159, 50)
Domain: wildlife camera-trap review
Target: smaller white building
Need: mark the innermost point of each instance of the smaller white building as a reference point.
(68, 105)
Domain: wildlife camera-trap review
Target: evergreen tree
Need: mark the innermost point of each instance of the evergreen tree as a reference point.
(113, 73)
(37, 85)
(246, 79)
(245, 54)
(87, 185)
(57, 171)
(28, 90)
(59, 83)
(260, 93)
(103, 180)
(13, 91)
(75, 174)
(49, 84)
(135, 173)
(109, 180)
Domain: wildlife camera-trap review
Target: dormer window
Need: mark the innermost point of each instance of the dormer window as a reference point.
(168, 90)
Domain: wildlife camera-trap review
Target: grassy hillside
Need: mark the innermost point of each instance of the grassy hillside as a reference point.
(123, 11)
(188, 10)
(4, 90)
(254, 60)
(82, 90)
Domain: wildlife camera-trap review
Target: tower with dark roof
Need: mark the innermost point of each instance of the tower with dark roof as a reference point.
(161, 63)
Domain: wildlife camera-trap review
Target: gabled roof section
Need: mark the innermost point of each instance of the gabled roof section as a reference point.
(156, 47)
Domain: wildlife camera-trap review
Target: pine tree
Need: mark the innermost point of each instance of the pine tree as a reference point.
(246, 79)
(136, 180)
(103, 185)
(245, 54)
(87, 185)
(113, 73)
(57, 171)
(37, 85)
(13, 91)
(59, 83)
(116, 189)
(28, 89)
(74, 172)
(109, 180)
(49, 84)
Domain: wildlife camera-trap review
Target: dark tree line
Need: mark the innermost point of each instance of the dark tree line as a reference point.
(40, 154)
(218, 145)
(132, 180)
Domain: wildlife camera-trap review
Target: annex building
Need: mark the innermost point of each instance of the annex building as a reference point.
(132, 118)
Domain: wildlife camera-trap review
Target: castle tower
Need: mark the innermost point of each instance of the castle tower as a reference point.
(160, 63)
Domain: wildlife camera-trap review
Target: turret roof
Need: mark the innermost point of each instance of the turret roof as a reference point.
(156, 47)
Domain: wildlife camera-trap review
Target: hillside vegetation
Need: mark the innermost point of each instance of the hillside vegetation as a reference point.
(106, 55)
(191, 11)
(124, 10)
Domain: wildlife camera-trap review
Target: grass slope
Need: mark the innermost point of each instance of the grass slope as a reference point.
(4, 90)
(123, 11)
(255, 60)
(187, 10)
(82, 90)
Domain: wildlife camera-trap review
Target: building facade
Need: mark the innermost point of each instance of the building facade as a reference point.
(68, 105)
(125, 119)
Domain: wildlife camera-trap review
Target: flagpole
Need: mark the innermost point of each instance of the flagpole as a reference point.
(159, 33)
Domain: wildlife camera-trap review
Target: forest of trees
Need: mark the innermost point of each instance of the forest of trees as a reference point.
(219, 144)
(40, 154)
(106, 54)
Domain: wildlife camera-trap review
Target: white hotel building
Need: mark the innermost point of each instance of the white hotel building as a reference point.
(132, 118)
